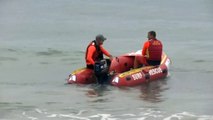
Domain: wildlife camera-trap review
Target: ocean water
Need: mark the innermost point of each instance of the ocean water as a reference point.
(42, 41)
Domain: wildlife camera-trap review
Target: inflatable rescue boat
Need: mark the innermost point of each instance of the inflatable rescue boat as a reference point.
(123, 72)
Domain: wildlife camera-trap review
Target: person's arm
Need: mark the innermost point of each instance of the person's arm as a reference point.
(105, 52)
(145, 47)
(144, 53)
(91, 51)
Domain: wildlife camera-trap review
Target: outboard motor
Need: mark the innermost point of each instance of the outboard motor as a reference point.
(101, 69)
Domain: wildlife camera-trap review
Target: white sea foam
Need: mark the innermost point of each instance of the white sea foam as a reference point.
(102, 116)
(80, 112)
(146, 114)
(29, 117)
(38, 110)
(128, 114)
(184, 115)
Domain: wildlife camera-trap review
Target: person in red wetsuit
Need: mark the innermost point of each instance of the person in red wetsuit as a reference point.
(95, 51)
(151, 52)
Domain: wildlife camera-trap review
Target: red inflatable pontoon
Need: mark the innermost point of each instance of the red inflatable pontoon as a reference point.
(124, 74)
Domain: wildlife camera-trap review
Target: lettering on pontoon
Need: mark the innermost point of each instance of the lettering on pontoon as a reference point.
(130, 72)
(155, 71)
(134, 71)
(137, 76)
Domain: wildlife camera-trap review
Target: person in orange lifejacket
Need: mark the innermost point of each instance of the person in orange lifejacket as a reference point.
(151, 52)
(95, 51)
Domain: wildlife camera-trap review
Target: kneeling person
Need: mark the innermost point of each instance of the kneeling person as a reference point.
(94, 54)
(151, 52)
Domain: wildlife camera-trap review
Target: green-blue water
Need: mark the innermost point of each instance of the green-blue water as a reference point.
(42, 41)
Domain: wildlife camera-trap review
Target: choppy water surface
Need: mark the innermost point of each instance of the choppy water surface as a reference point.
(41, 42)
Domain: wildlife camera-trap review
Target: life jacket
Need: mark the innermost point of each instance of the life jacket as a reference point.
(98, 55)
(154, 51)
